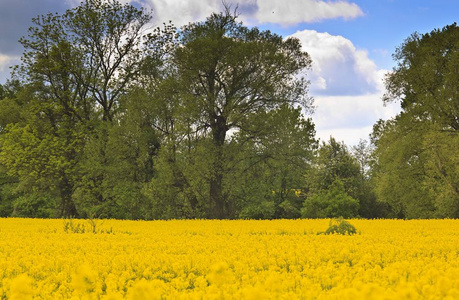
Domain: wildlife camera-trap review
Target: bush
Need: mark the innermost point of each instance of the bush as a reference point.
(340, 226)
(34, 206)
(331, 203)
(263, 210)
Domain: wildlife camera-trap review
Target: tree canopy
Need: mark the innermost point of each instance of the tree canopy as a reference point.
(416, 151)
(106, 117)
(119, 120)
(228, 74)
(75, 69)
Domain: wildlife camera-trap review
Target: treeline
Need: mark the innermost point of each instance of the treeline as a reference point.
(107, 118)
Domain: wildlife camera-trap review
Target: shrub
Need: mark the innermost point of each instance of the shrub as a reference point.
(91, 225)
(263, 210)
(340, 226)
(34, 206)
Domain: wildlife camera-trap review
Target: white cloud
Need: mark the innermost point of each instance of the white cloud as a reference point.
(350, 118)
(347, 87)
(6, 62)
(292, 12)
(181, 12)
(286, 13)
(350, 136)
(338, 65)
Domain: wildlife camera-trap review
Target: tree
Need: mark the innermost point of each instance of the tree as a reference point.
(76, 66)
(7, 196)
(10, 104)
(228, 72)
(268, 170)
(334, 161)
(425, 79)
(88, 55)
(118, 164)
(369, 206)
(400, 169)
(415, 151)
(331, 203)
(10, 112)
(336, 172)
(113, 122)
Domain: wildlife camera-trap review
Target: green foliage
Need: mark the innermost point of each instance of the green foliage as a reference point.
(339, 181)
(416, 165)
(331, 203)
(340, 226)
(335, 162)
(116, 165)
(43, 161)
(258, 210)
(227, 75)
(7, 197)
(401, 169)
(207, 121)
(34, 206)
(442, 172)
(115, 124)
(11, 105)
(269, 168)
(75, 68)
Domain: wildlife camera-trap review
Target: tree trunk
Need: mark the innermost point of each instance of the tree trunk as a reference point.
(217, 201)
(216, 196)
(68, 208)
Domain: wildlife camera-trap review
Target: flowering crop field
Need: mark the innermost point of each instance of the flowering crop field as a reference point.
(209, 259)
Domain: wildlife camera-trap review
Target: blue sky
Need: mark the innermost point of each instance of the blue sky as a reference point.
(350, 41)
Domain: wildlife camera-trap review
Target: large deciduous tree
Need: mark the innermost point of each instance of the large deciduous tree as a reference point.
(417, 150)
(227, 73)
(88, 56)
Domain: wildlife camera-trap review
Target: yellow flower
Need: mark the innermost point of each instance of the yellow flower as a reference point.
(21, 287)
(220, 274)
(238, 259)
(84, 281)
(255, 293)
(144, 290)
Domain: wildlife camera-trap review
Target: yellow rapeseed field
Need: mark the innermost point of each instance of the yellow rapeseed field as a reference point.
(200, 259)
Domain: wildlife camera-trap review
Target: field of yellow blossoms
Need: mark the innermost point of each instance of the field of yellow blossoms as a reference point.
(209, 259)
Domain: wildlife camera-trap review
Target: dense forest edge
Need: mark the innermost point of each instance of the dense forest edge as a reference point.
(108, 118)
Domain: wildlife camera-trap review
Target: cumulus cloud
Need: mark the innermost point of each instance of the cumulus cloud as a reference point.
(338, 67)
(6, 61)
(347, 87)
(299, 11)
(350, 118)
(180, 12)
(285, 13)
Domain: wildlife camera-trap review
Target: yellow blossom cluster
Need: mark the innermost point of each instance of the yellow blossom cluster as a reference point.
(212, 259)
